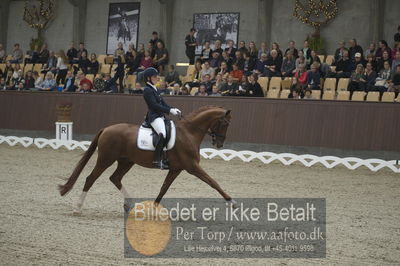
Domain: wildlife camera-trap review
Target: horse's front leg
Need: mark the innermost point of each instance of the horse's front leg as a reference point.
(172, 174)
(196, 170)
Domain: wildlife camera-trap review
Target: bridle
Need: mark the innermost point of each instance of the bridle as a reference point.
(222, 121)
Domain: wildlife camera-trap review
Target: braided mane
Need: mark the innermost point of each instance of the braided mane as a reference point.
(202, 109)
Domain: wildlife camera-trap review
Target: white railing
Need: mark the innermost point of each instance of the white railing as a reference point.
(227, 155)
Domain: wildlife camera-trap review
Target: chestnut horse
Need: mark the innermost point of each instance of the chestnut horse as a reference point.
(118, 143)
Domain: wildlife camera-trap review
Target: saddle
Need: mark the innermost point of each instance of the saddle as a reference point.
(147, 136)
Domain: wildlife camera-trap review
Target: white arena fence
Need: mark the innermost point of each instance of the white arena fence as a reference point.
(227, 155)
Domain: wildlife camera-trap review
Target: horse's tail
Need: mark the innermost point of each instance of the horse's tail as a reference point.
(64, 189)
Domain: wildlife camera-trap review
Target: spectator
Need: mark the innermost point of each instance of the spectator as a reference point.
(300, 60)
(110, 85)
(354, 48)
(295, 94)
(314, 58)
(253, 88)
(385, 58)
(274, 64)
(93, 66)
(289, 65)
(84, 63)
(370, 77)
(394, 83)
(137, 90)
(396, 61)
(314, 77)
(242, 47)
(133, 62)
(306, 50)
(253, 51)
(9, 80)
(69, 85)
(223, 69)
(261, 65)
(249, 64)
(206, 81)
(141, 50)
(275, 46)
(172, 76)
(17, 69)
(99, 83)
(292, 48)
(357, 80)
(32, 56)
(17, 54)
(230, 88)
(83, 80)
(263, 50)
(340, 51)
(219, 80)
(19, 79)
(38, 80)
(119, 52)
(381, 82)
(207, 70)
(206, 52)
(85, 88)
(161, 57)
(396, 37)
(82, 50)
(49, 83)
(128, 54)
(239, 60)
(215, 60)
(343, 67)
(308, 95)
(175, 89)
(215, 91)
(29, 81)
(227, 60)
(356, 61)
(3, 85)
(300, 77)
(383, 46)
(8, 68)
(163, 90)
(146, 61)
(2, 53)
(51, 64)
(236, 73)
(371, 59)
(217, 47)
(371, 49)
(202, 91)
(395, 50)
(61, 67)
(190, 43)
(155, 39)
(72, 54)
(230, 49)
(44, 54)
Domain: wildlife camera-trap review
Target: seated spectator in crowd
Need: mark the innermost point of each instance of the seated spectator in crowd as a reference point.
(253, 51)
(17, 54)
(49, 83)
(356, 61)
(155, 39)
(227, 60)
(206, 81)
(340, 51)
(44, 54)
(354, 49)
(292, 48)
(19, 79)
(133, 62)
(138, 89)
(396, 61)
(295, 94)
(84, 63)
(261, 65)
(8, 67)
(242, 47)
(263, 50)
(394, 83)
(300, 77)
(172, 76)
(314, 58)
(217, 47)
(207, 70)
(243, 86)
(51, 64)
(81, 78)
(314, 78)
(128, 54)
(215, 60)
(220, 80)
(99, 83)
(300, 60)
(3, 85)
(32, 56)
(29, 81)
(253, 88)
(230, 88)
(206, 52)
(85, 88)
(223, 69)
(274, 64)
(163, 88)
(230, 49)
(145, 62)
(82, 50)
(38, 80)
(17, 69)
(288, 65)
(371, 49)
(385, 58)
(176, 88)
(184, 91)
(202, 91)
(119, 51)
(308, 95)
(395, 50)
(371, 59)
(236, 73)
(306, 51)
(9, 80)
(215, 91)
(2, 53)
(110, 84)
(160, 59)
(249, 64)
(69, 85)
(239, 60)
(93, 66)
(382, 81)
(62, 67)
(383, 46)
(370, 77)
(343, 67)
(72, 54)
(275, 46)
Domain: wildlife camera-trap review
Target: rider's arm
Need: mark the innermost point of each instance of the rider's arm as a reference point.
(152, 103)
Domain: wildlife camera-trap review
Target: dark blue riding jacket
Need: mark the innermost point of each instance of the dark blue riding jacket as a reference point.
(155, 103)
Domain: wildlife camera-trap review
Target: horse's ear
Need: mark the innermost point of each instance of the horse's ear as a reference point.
(227, 112)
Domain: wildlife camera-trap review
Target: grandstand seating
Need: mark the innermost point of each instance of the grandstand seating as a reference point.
(284, 94)
(105, 68)
(358, 96)
(330, 84)
(316, 94)
(373, 96)
(275, 83)
(273, 93)
(330, 59)
(343, 95)
(130, 81)
(263, 81)
(343, 84)
(328, 95)
(388, 97)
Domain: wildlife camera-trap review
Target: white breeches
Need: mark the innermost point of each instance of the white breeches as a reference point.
(159, 126)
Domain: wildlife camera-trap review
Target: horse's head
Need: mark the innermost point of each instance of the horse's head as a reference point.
(218, 129)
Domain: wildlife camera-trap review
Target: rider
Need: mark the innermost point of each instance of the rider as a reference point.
(156, 114)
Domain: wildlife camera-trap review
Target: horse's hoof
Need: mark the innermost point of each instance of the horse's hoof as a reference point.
(234, 204)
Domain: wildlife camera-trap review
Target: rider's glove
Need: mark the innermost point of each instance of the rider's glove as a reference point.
(175, 111)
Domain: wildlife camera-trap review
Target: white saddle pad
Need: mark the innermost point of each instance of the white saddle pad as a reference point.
(145, 138)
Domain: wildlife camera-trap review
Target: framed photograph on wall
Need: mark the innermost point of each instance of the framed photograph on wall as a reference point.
(216, 26)
(123, 25)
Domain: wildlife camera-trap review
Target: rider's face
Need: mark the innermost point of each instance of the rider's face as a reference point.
(154, 79)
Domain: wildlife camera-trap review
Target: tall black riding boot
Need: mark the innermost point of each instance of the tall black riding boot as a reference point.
(158, 163)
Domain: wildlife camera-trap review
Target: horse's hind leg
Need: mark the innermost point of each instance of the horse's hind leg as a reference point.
(124, 165)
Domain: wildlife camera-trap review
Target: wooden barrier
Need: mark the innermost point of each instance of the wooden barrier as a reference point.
(331, 124)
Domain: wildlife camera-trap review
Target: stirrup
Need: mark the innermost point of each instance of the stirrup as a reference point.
(160, 165)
